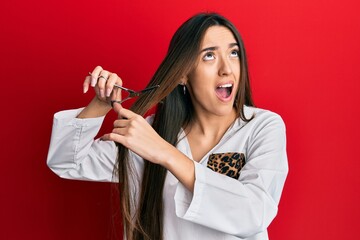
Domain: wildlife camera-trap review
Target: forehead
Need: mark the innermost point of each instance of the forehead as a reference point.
(216, 36)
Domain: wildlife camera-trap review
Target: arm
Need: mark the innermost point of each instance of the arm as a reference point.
(73, 152)
(103, 82)
(245, 206)
(240, 207)
(132, 131)
(95, 109)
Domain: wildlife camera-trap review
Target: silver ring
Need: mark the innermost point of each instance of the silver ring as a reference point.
(102, 77)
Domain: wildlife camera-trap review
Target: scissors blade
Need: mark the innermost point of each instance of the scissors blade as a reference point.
(134, 93)
(148, 89)
(138, 93)
(124, 88)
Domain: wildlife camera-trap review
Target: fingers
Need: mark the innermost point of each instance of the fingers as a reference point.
(116, 97)
(112, 80)
(117, 135)
(120, 123)
(125, 130)
(101, 82)
(123, 125)
(117, 106)
(86, 84)
(104, 82)
(124, 113)
(95, 75)
(113, 137)
(136, 134)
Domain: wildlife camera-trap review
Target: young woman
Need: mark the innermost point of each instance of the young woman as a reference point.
(206, 165)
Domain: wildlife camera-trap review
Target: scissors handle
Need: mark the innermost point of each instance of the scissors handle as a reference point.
(131, 92)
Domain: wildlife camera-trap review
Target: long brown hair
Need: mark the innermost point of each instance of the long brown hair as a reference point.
(143, 214)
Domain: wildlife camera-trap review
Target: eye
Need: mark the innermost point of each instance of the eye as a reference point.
(209, 56)
(234, 53)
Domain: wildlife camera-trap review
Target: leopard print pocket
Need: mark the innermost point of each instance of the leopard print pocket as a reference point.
(229, 163)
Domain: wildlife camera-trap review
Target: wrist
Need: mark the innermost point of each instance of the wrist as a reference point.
(96, 108)
(167, 155)
(171, 157)
(180, 166)
(100, 104)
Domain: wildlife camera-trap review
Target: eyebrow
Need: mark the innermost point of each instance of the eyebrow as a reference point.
(215, 47)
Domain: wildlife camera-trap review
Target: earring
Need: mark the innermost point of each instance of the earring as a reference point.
(184, 87)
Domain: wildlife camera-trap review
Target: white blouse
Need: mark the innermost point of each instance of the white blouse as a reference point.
(223, 206)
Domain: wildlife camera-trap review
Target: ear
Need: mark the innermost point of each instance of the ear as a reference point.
(183, 80)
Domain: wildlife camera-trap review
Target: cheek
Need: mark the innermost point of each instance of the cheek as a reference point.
(200, 77)
(236, 70)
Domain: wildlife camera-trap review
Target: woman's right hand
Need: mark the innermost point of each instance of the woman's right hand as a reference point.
(103, 82)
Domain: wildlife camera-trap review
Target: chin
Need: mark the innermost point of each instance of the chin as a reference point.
(225, 110)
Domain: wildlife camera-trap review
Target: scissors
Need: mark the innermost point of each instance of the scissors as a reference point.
(132, 93)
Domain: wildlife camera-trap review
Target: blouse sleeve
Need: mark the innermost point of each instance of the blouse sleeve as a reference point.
(245, 206)
(73, 152)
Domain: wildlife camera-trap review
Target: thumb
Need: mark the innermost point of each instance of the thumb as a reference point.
(117, 107)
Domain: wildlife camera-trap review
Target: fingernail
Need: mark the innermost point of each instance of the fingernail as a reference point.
(85, 89)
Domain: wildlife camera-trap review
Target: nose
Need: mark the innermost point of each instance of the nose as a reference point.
(224, 67)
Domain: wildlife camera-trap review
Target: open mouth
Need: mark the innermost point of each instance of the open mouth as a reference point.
(224, 91)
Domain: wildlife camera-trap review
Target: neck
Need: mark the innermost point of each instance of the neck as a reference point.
(210, 125)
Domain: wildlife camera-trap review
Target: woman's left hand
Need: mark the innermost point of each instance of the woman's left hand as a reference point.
(135, 133)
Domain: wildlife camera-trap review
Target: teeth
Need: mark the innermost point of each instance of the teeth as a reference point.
(225, 85)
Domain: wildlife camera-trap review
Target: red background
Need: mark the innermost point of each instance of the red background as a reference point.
(303, 58)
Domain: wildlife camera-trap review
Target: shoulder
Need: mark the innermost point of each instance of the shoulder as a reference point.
(262, 116)
(263, 122)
